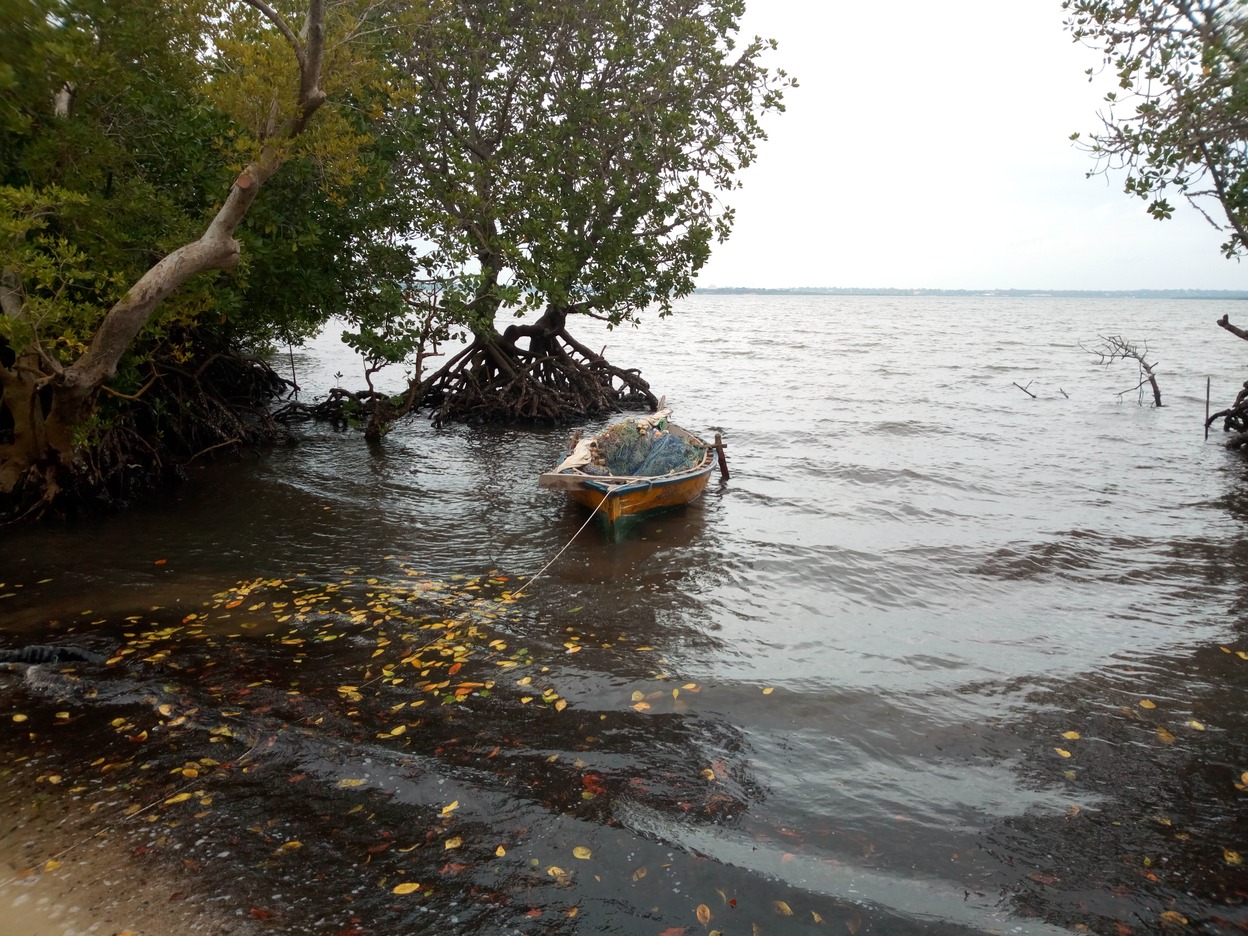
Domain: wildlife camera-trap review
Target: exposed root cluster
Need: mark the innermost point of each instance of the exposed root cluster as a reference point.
(554, 380)
(1234, 420)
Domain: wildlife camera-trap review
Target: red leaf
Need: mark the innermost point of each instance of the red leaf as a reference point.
(259, 914)
(675, 931)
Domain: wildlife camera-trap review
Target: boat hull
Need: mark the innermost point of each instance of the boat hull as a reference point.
(640, 497)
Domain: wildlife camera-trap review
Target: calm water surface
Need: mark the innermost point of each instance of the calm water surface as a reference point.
(941, 657)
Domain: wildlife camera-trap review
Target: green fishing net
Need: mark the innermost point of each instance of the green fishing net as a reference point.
(628, 450)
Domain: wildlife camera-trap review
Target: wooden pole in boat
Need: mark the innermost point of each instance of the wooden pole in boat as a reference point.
(723, 459)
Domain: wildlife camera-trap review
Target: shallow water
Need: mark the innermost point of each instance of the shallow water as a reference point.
(840, 691)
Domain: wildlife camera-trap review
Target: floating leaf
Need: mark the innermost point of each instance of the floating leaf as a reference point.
(19, 717)
(561, 705)
(447, 810)
(1148, 704)
(500, 851)
(1196, 725)
(349, 782)
(1164, 736)
(178, 798)
(642, 706)
(816, 916)
(408, 888)
(555, 871)
(638, 695)
(708, 774)
(1173, 916)
(1062, 751)
(51, 864)
(291, 846)
(452, 843)
(639, 874)
(768, 691)
(1232, 857)
(1071, 735)
(783, 908)
(582, 852)
(704, 914)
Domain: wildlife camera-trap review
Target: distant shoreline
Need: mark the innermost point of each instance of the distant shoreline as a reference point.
(1000, 293)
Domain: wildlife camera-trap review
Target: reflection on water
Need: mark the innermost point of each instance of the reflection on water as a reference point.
(939, 658)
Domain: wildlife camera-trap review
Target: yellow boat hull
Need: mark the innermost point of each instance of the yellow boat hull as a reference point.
(614, 501)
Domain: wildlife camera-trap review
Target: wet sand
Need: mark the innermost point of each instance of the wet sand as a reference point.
(94, 885)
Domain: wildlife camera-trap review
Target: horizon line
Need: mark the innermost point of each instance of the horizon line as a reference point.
(1010, 292)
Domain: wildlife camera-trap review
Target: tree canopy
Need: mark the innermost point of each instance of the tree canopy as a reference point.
(136, 138)
(1178, 121)
(572, 156)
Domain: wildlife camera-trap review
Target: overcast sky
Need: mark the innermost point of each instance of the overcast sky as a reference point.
(928, 146)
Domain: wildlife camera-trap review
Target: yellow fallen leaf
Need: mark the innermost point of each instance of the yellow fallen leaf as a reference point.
(452, 843)
(1232, 857)
(447, 810)
(1173, 916)
(1148, 704)
(1196, 725)
(1164, 736)
(638, 695)
(582, 852)
(783, 908)
(19, 717)
(178, 798)
(675, 693)
(816, 916)
(704, 914)
(165, 709)
(291, 846)
(51, 864)
(398, 730)
(349, 782)
(500, 851)
(639, 874)
(1062, 751)
(561, 705)
(409, 888)
(555, 871)
(642, 706)
(708, 774)
(1070, 735)
(768, 691)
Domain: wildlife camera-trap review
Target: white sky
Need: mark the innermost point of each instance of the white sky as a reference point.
(928, 146)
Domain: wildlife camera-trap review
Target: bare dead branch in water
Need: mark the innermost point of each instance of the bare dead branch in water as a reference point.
(1024, 389)
(1116, 348)
(1225, 322)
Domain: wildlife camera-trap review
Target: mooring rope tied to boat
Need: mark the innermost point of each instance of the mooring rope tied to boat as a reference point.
(516, 593)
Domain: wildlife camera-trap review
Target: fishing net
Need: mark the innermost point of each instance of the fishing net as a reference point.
(628, 450)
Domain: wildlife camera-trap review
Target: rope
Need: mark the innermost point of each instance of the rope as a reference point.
(516, 593)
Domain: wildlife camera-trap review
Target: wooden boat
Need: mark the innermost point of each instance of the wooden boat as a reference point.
(618, 492)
